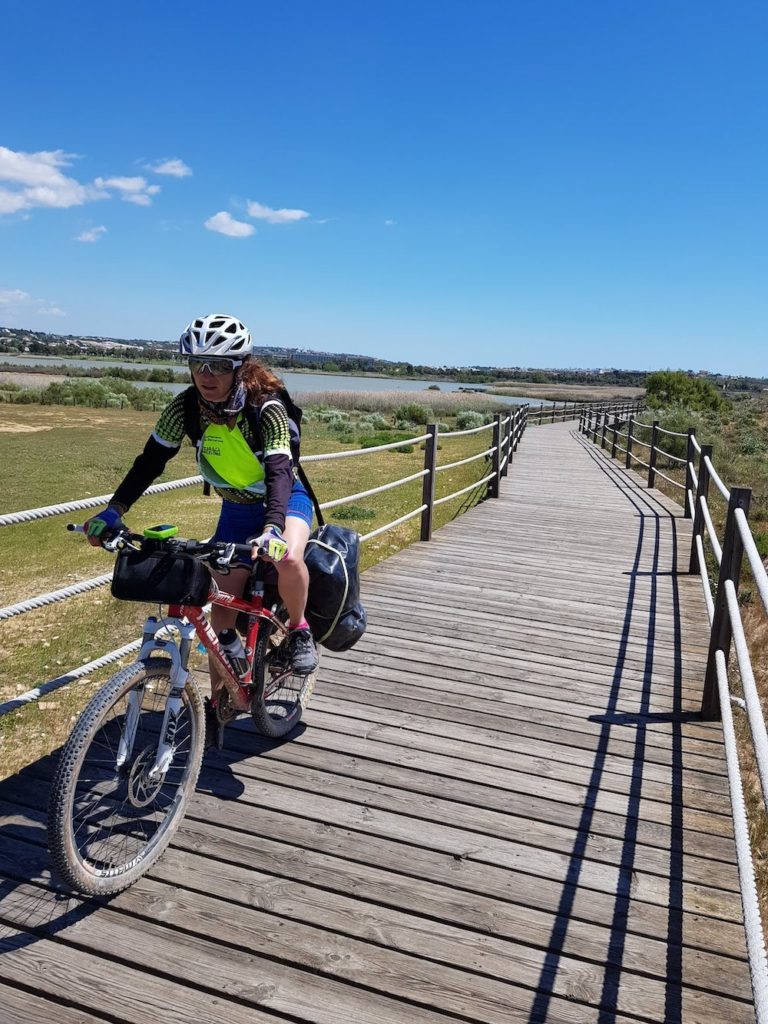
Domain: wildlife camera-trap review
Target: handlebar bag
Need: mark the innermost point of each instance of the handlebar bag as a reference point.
(334, 612)
(160, 577)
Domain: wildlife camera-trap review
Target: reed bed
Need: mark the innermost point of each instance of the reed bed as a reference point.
(442, 403)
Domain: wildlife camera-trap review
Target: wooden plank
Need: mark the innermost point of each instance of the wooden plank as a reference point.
(21, 1006)
(386, 985)
(285, 845)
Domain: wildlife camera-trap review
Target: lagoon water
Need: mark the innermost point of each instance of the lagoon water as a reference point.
(295, 382)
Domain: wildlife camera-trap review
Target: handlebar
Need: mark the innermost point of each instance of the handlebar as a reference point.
(219, 553)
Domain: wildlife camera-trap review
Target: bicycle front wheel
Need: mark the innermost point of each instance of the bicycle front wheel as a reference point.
(279, 695)
(109, 816)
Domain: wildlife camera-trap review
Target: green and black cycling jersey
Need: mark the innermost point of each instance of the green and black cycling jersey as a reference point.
(243, 465)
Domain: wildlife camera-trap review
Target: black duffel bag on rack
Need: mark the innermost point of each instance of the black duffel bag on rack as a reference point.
(334, 611)
(160, 577)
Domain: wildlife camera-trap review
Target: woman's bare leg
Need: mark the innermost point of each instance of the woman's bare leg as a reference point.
(292, 575)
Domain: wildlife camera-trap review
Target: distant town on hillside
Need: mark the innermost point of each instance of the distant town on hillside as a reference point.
(18, 341)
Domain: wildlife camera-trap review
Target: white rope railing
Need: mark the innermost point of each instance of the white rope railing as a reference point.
(670, 433)
(758, 965)
(669, 479)
(668, 455)
(395, 522)
(691, 503)
(751, 698)
(374, 490)
(463, 462)
(30, 515)
(364, 451)
(708, 599)
(464, 433)
(464, 490)
(76, 673)
(710, 527)
(716, 479)
(55, 595)
(753, 556)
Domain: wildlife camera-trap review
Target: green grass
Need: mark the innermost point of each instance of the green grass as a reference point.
(59, 454)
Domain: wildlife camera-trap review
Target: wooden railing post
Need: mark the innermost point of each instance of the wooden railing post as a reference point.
(722, 628)
(702, 491)
(554, 406)
(493, 483)
(615, 437)
(630, 428)
(690, 455)
(652, 460)
(541, 413)
(428, 481)
(596, 426)
(605, 429)
(508, 443)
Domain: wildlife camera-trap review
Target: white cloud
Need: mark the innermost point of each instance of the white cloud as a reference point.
(15, 304)
(29, 180)
(260, 212)
(176, 168)
(92, 234)
(389, 223)
(226, 224)
(132, 190)
(36, 179)
(12, 296)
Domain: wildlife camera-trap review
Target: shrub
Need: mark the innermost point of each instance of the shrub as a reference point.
(673, 387)
(342, 427)
(353, 512)
(414, 412)
(467, 419)
(750, 444)
(384, 437)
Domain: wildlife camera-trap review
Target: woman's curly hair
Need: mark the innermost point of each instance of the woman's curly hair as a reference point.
(259, 381)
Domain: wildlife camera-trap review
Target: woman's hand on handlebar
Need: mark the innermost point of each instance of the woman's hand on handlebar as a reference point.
(103, 526)
(270, 545)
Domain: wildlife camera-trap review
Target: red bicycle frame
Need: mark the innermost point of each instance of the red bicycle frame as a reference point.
(257, 613)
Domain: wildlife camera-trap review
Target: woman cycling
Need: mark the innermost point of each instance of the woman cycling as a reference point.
(263, 502)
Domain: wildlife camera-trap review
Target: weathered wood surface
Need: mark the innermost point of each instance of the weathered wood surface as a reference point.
(501, 805)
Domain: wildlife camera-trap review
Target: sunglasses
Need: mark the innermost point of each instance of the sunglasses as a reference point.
(216, 367)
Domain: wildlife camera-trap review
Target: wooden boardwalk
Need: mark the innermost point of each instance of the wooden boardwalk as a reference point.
(502, 806)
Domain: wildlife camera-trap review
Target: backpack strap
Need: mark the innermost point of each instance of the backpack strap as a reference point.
(294, 413)
(192, 427)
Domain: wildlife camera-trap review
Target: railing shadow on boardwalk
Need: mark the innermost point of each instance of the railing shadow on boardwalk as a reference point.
(650, 515)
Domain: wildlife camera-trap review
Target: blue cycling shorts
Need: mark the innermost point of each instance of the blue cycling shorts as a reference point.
(238, 522)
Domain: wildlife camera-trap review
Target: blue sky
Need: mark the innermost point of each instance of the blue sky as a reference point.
(506, 183)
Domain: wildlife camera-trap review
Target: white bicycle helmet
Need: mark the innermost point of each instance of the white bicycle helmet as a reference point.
(216, 335)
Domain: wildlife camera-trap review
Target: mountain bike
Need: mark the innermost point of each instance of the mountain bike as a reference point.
(131, 763)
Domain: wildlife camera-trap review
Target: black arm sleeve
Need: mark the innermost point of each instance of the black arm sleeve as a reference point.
(278, 476)
(145, 470)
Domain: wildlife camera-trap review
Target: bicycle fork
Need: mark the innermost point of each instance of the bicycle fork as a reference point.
(179, 656)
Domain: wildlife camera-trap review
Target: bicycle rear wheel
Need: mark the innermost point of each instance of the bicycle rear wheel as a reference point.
(279, 696)
(108, 823)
